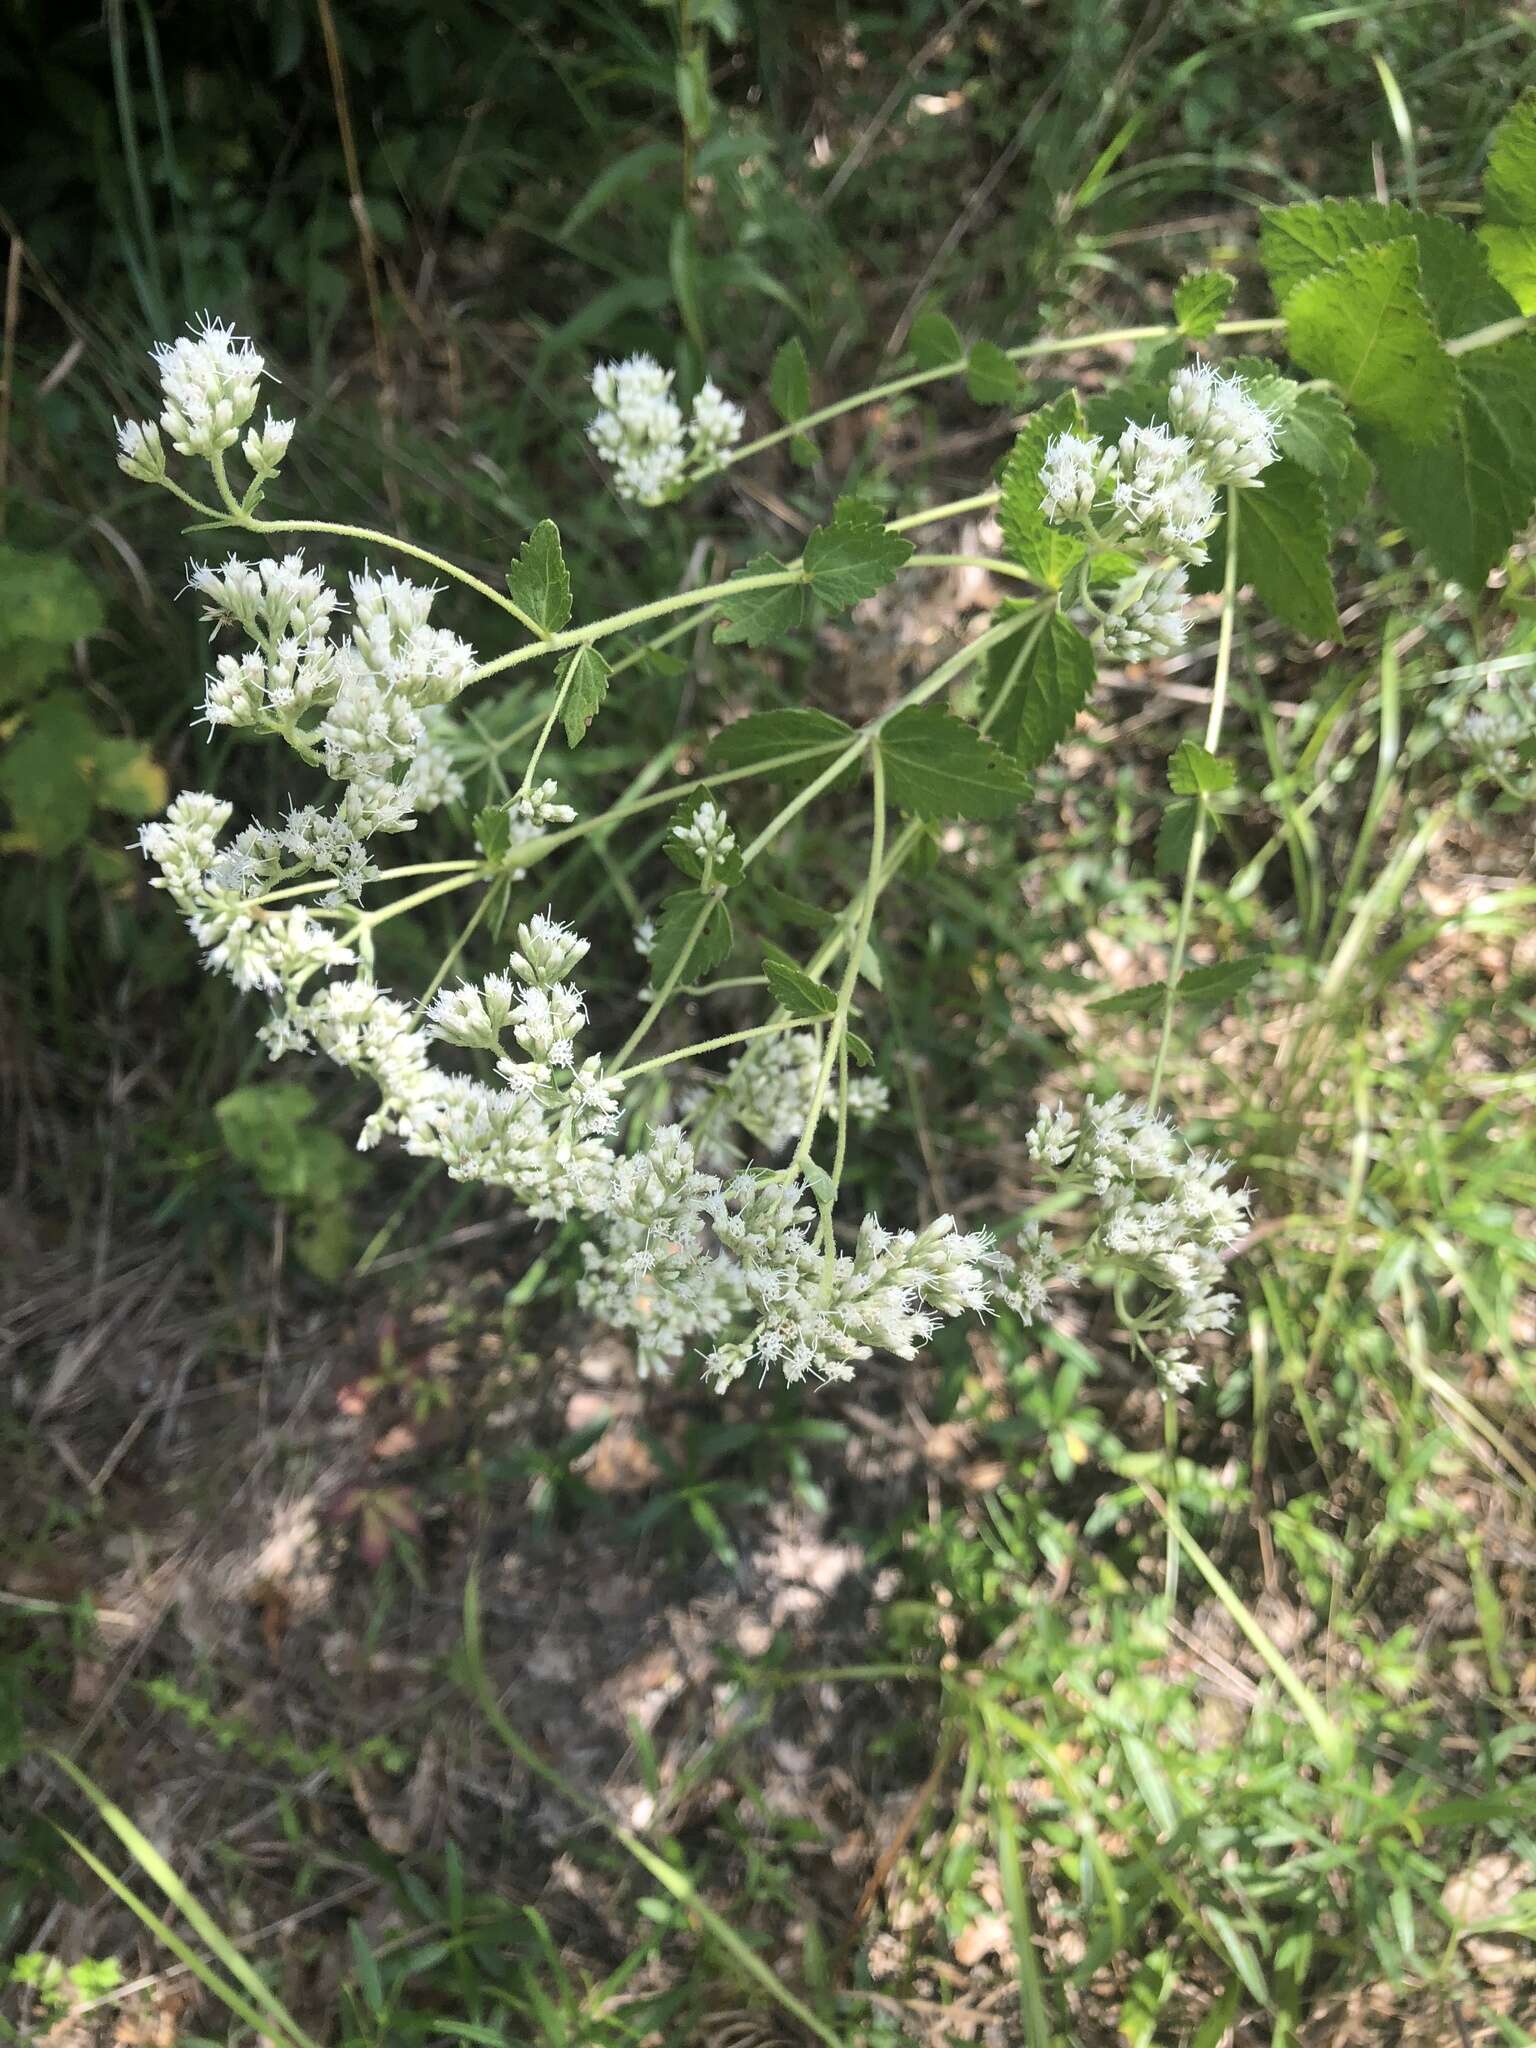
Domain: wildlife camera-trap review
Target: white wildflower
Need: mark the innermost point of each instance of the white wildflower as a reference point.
(1232, 434)
(209, 380)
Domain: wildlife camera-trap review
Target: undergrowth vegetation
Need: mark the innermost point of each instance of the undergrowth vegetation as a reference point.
(793, 616)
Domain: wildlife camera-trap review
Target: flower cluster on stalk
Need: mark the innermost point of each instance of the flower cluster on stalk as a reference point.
(1153, 495)
(687, 1245)
(639, 431)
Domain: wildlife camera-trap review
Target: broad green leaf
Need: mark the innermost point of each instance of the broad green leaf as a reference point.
(1365, 327)
(693, 935)
(727, 873)
(1043, 551)
(854, 556)
(1299, 242)
(940, 767)
(1194, 771)
(935, 342)
(793, 909)
(789, 382)
(788, 746)
(796, 992)
(1045, 697)
(45, 776)
(126, 778)
(1466, 499)
(1282, 550)
(44, 597)
(1175, 837)
(991, 377)
(1318, 433)
(493, 831)
(537, 581)
(760, 616)
(1213, 984)
(584, 678)
(1509, 199)
(1200, 300)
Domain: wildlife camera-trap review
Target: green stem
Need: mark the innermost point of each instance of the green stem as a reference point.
(1212, 741)
(688, 1052)
(982, 502)
(663, 995)
(372, 537)
(991, 563)
(386, 911)
(860, 940)
(1027, 351)
(637, 615)
(799, 801)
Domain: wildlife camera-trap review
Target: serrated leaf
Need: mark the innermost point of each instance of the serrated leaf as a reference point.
(583, 676)
(1365, 327)
(1175, 837)
(935, 342)
(760, 616)
(793, 909)
(1200, 299)
(493, 831)
(1195, 771)
(693, 936)
(859, 1049)
(796, 992)
(1282, 550)
(789, 381)
(1509, 199)
(939, 767)
(991, 377)
(761, 742)
(1043, 551)
(1465, 500)
(1318, 433)
(1213, 984)
(1299, 242)
(1045, 697)
(538, 581)
(728, 873)
(854, 556)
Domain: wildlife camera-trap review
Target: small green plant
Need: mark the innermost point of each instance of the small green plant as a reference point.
(61, 774)
(302, 1164)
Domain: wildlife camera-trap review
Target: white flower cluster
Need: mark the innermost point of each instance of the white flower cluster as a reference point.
(1154, 494)
(1494, 725)
(209, 383)
(707, 834)
(1161, 1217)
(638, 429)
(367, 708)
(768, 1091)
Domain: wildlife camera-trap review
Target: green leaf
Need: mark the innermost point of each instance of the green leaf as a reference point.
(493, 831)
(538, 582)
(682, 938)
(1282, 550)
(991, 377)
(761, 742)
(1509, 200)
(1365, 327)
(940, 767)
(1465, 500)
(1194, 771)
(45, 775)
(45, 597)
(1175, 837)
(1318, 433)
(1299, 242)
(583, 676)
(1200, 299)
(1043, 551)
(854, 556)
(793, 909)
(126, 778)
(1044, 700)
(819, 1181)
(1214, 984)
(796, 992)
(760, 616)
(935, 342)
(789, 382)
(727, 873)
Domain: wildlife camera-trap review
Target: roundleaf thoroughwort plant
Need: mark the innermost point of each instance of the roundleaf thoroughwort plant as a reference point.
(1227, 476)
